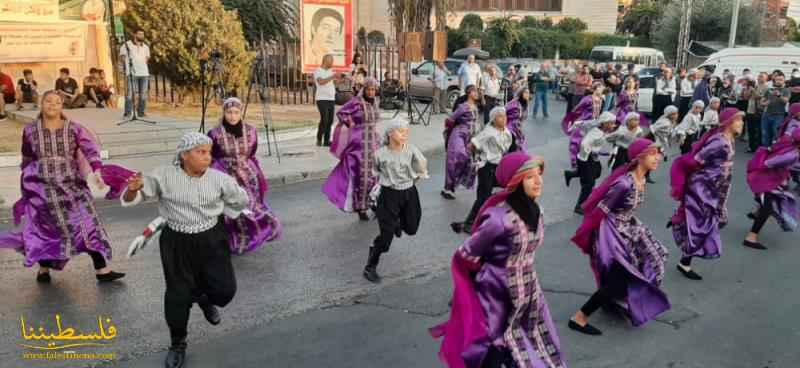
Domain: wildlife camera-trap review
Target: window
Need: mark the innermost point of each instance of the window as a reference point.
(499, 5)
(425, 69)
(647, 82)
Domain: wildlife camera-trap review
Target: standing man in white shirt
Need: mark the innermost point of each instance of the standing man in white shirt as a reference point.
(325, 96)
(139, 54)
(440, 84)
(469, 74)
(490, 89)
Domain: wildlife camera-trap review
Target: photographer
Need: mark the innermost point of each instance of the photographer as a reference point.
(774, 102)
(139, 54)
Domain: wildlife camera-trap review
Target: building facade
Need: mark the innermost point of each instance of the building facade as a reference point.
(599, 15)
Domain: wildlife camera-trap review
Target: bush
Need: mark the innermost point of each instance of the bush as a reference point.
(471, 22)
(571, 25)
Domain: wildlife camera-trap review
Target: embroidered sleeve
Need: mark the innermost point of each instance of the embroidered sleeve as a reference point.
(483, 239)
(88, 146)
(783, 160)
(615, 198)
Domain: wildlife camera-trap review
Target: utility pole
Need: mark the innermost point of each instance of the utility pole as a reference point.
(734, 23)
(682, 57)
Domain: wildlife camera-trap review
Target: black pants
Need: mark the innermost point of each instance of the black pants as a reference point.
(686, 147)
(397, 211)
(486, 183)
(97, 260)
(491, 102)
(763, 214)
(684, 104)
(570, 104)
(660, 102)
(753, 122)
(621, 158)
(326, 109)
(497, 358)
(615, 287)
(197, 268)
(588, 172)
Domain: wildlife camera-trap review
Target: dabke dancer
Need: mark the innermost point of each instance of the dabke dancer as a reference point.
(701, 182)
(627, 260)
(234, 153)
(589, 168)
(622, 138)
(398, 166)
(460, 127)
(768, 175)
(663, 130)
(516, 115)
(579, 121)
(195, 248)
(355, 141)
(59, 157)
(490, 145)
(688, 130)
(499, 316)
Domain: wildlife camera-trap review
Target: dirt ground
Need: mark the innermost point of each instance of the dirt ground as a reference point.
(283, 116)
(10, 135)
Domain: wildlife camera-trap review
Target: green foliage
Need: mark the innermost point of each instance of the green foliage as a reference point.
(571, 25)
(792, 32)
(711, 21)
(641, 19)
(534, 22)
(459, 39)
(180, 31)
(500, 37)
(276, 19)
(471, 22)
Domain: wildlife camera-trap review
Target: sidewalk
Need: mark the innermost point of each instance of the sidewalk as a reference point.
(300, 158)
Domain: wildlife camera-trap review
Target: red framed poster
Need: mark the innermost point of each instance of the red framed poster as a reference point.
(326, 28)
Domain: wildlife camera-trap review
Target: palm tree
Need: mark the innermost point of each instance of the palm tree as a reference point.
(415, 15)
(275, 20)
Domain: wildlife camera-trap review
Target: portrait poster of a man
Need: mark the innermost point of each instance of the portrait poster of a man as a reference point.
(327, 29)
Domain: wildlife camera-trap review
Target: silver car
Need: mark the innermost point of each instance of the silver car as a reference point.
(421, 87)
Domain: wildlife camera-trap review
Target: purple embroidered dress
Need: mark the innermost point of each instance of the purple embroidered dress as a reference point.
(350, 182)
(703, 207)
(460, 168)
(629, 102)
(502, 252)
(515, 115)
(623, 239)
(61, 220)
(780, 197)
(589, 108)
(236, 156)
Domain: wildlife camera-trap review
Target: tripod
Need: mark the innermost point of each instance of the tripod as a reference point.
(133, 88)
(258, 73)
(205, 98)
(415, 115)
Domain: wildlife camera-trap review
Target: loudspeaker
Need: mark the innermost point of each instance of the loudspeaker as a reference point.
(436, 45)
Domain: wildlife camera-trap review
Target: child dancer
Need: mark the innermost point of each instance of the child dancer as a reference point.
(627, 260)
(491, 144)
(710, 116)
(589, 168)
(499, 314)
(688, 130)
(517, 114)
(629, 102)
(195, 249)
(578, 122)
(622, 138)
(662, 131)
(234, 153)
(460, 127)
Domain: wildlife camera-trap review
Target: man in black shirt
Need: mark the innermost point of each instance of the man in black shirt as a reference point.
(27, 90)
(67, 88)
(794, 87)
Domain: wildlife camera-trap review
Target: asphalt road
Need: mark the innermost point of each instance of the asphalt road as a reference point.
(303, 303)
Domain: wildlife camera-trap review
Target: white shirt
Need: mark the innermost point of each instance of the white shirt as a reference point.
(593, 142)
(491, 86)
(687, 87)
(689, 125)
(469, 74)
(400, 170)
(664, 87)
(662, 130)
(440, 78)
(623, 137)
(139, 55)
(710, 119)
(491, 144)
(325, 92)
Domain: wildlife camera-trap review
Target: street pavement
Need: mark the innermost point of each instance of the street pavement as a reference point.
(302, 301)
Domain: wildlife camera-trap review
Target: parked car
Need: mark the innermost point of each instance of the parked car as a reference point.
(421, 87)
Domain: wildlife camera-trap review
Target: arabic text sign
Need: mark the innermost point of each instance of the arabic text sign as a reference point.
(42, 42)
(28, 10)
(63, 336)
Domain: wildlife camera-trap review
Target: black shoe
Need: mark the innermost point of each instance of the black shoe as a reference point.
(210, 312)
(751, 216)
(176, 357)
(457, 227)
(567, 177)
(111, 276)
(578, 210)
(43, 277)
(669, 224)
(398, 232)
(326, 144)
(691, 275)
(371, 274)
(447, 195)
(319, 144)
(587, 329)
(363, 216)
(754, 245)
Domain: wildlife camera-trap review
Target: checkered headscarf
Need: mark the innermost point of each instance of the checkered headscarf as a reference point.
(188, 142)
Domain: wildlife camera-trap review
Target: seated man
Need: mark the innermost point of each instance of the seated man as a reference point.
(6, 93)
(104, 90)
(27, 90)
(67, 88)
(91, 88)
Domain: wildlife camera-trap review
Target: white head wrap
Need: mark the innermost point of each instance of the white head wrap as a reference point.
(631, 115)
(188, 142)
(499, 110)
(607, 117)
(711, 101)
(669, 110)
(394, 124)
(230, 102)
(698, 103)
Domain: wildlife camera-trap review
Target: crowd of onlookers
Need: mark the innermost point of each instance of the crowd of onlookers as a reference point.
(96, 90)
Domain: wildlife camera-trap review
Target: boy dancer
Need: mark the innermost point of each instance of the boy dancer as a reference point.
(195, 253)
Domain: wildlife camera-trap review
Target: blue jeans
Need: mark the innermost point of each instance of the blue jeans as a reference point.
(541, 95)
(139, 86)
(769, 128)
(608, 105)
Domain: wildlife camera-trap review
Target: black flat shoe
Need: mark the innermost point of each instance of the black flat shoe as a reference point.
(176, 357)
(457, 227)
(111, 276)
(587, 329)
(669, 224)
(567, 177)
(691, 275)
(371, 274)
(363, 216)
(43, 277)
(578, 210)
(447, 195)
(210, 312)
(754, 245)
(751, 216)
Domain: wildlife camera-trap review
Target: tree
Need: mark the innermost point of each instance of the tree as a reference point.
(415, 15)
(500, 36)
(571, 25)
(792, 32)
(533, 22)
(711, 21)
(275, 19)
(182, 31)
(471, 21)
(641, 19)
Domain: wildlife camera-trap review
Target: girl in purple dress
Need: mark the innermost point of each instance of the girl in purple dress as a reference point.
(629, 102)
(701, 182)
(516, 115)
(61, 221)
(355, 141)
(627, 260)
(499, 315)
(578, 122)
(768, 174)
(460, 127)
(234, 153)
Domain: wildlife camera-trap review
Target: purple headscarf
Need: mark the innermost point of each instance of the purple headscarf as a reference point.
(760, 177)
(594, 215)
(794, 109)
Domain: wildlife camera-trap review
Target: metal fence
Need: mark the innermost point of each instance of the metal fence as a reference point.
(284, 76)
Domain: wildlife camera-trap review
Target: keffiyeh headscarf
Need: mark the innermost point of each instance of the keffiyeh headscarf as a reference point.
(497, 111)
(394, 124)
(669, 110)
(188, 142)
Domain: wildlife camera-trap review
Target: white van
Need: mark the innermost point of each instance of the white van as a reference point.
(757, 59)
(641, 56)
